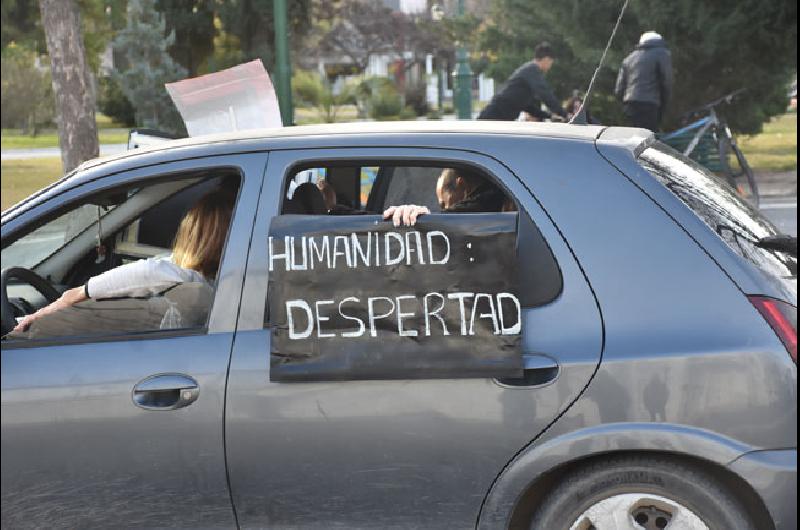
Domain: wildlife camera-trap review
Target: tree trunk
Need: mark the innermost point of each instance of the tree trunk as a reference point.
(72, 82)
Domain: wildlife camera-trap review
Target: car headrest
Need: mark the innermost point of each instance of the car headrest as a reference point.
(306, 200)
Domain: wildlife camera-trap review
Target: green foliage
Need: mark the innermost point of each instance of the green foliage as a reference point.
(147, 66)
(251, 22)
(192, 22)
(416, 98)
(21, 24)
(378, 98)
(27, 93)
(311, 90)
(113, 103)
(717, 47)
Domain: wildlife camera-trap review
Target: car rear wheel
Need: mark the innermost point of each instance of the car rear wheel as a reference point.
(639, 493)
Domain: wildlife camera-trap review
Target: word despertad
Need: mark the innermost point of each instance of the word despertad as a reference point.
(368, 249)
(437, 309)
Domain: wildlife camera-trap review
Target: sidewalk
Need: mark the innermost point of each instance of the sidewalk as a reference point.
(777, 184)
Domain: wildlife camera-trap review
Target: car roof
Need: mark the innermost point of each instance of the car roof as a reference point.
(332, 135)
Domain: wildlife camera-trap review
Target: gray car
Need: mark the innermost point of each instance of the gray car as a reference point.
(656, 376)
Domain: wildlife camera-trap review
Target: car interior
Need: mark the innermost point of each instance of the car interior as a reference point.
(109, 229)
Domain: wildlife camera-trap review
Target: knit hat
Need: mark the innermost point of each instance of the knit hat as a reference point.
(648, 36)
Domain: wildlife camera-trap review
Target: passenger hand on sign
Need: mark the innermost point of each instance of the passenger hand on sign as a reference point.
(405, 214)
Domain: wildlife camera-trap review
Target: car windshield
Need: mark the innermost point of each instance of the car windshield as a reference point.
(735, 221)
(30, 250)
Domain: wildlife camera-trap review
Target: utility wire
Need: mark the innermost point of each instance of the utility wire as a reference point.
(600, 65)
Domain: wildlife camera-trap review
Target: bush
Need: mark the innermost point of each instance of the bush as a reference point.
(385, 103)
(113, 103)
(27, 91)
(314, 91)
(417, 99)
(408, 113)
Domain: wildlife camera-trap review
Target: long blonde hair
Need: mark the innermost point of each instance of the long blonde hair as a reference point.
(202, 233)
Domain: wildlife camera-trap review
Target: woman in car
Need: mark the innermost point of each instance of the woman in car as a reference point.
(195, 257)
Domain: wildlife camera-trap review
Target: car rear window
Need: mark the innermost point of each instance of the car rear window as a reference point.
(738, 223)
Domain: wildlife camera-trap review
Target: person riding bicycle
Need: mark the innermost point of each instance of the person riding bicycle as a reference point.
(644, 82)
(525, 91)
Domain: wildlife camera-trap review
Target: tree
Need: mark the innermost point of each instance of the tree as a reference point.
(251, 24)
(72, 82)
(27, 90)
(717, 47)
(147, 66)
(192, 23)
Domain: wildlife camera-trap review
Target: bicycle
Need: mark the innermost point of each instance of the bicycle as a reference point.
(709, 141)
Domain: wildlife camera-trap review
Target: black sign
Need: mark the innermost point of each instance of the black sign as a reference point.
(354, 297)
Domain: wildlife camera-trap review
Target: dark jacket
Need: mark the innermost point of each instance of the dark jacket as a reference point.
(485, 198)
(525, 90)
(646, 74)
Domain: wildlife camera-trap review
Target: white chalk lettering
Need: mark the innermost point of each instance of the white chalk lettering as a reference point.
(345, 253)
(434, 313)
(461, 297)
(414, 249)
(371, 312)
(320, 253)
(446, 256)
(517, 327)
(491, 314)
(387, 245)
(274, 256)
(300, 304)
(358, 250)
(321, 319)
(400, 316)
(299, 266)
(361, 327)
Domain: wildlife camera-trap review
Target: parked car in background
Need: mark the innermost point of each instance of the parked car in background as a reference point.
(657, 383)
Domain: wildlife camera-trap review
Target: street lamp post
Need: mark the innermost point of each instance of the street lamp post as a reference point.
(463, 78)
(283, 68)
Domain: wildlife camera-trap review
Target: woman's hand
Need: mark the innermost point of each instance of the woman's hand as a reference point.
(69, 298)
(405, 214)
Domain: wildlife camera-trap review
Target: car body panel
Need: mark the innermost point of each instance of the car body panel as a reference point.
(72, 436)
(773, 475)
(380, 453)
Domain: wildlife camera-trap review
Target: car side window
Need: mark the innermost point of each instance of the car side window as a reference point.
(539, 276)
(139, 276)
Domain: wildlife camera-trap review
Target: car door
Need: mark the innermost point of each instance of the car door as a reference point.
(400, 453)
(77, 449)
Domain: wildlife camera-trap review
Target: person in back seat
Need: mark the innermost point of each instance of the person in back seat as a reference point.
(195, 257)
(458, 191)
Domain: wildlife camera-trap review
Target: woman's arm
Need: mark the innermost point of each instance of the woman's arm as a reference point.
(69, 298)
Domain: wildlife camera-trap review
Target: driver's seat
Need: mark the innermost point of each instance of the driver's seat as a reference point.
(185, 305)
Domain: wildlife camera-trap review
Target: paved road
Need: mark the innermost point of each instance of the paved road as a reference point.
(782, 212)
(45, 152)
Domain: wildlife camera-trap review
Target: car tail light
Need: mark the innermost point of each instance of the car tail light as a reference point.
(783, 319)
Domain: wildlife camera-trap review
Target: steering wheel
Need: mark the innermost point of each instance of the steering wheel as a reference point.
(31, 278)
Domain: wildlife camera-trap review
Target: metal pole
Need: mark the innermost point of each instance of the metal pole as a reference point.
(283, 67)
(463, 78)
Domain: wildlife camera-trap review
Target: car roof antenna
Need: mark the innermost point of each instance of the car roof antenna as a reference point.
(580, 116)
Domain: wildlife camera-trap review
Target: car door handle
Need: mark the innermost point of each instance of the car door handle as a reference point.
(537, 369)
(165, 392)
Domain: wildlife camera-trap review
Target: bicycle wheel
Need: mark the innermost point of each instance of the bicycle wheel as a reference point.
(739, 174)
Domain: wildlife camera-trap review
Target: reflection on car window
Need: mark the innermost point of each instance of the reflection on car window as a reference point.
(715, 202)
(32, 249)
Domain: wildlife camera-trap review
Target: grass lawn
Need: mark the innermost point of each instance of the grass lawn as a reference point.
(775, 149)
(108, 131)
(14, 139)
(20, 178)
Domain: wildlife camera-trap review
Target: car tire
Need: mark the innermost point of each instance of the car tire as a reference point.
(632, 492)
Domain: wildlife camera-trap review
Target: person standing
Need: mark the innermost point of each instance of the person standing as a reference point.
(644, 82)
(526, 90)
